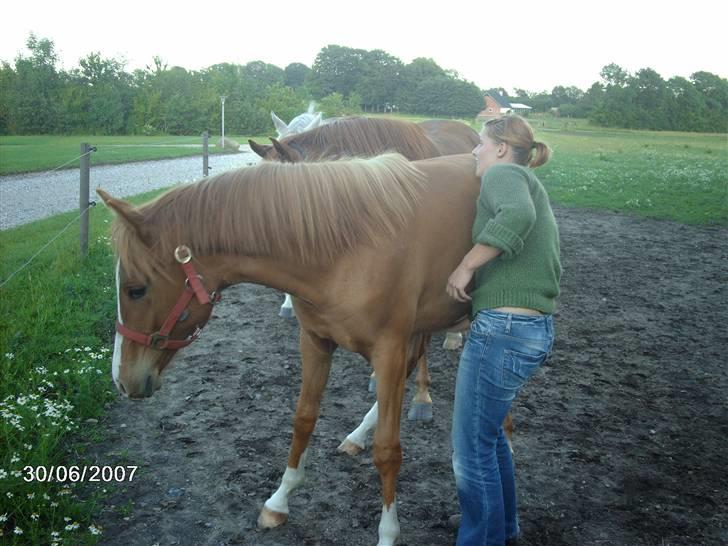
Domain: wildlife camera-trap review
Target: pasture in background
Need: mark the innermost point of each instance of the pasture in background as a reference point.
(57, 316)
(20, 154)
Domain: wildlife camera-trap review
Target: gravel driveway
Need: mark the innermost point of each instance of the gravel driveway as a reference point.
(29, 197)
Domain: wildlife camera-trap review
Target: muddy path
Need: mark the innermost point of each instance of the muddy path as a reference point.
(621, 438)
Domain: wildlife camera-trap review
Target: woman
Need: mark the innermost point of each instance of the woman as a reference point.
(515, 262)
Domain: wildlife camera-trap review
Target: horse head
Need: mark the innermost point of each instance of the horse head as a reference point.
(162, 303)
(284, 151)
(299, 124)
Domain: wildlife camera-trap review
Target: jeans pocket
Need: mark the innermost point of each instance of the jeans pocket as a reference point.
(518, 367)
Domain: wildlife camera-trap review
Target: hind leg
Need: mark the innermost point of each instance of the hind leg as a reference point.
(287, 310)
(316, 356)
(421, 405)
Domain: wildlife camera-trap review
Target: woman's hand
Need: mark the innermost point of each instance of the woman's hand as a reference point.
(478, 256)
(458, 282)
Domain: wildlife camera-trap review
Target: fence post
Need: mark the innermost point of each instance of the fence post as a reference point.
(83, 203)
(205, 158)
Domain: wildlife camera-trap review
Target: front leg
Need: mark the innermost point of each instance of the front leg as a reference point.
(316, 356)
(389, 361)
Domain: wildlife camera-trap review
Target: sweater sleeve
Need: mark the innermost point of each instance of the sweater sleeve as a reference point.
(505, 193)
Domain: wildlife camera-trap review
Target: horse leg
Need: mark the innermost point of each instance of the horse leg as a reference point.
(356, 441)
(453, 341)
(390, 363)
(316, 356)
(287, 310)
(421, 406)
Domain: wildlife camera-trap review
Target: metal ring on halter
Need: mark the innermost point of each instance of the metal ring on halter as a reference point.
(187, 280)
(182, 254)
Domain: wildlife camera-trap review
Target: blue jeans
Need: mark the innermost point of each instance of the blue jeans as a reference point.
(502, 351)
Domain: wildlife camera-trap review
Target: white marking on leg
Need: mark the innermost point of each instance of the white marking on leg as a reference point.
(287, 310)
(116, 359)
(388, 525)
(360, 434)
(292, 479)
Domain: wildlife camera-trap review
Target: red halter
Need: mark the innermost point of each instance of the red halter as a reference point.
(193, 287)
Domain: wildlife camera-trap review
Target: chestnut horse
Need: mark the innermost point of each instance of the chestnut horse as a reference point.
(354, 241)
(367, 137)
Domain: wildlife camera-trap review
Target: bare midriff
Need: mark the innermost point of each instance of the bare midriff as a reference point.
(517, 311)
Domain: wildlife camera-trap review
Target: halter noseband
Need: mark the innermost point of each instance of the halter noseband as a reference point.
(193, 288)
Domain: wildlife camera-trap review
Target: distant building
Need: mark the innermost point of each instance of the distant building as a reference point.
(496, 106)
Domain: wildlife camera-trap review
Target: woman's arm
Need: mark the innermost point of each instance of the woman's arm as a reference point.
(477, 256)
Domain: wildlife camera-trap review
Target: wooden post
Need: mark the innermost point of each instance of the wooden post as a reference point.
(205, 157)
(83, 203)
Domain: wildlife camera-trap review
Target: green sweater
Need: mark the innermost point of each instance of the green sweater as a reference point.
(514, 215)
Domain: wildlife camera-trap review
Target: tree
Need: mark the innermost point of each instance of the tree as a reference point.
(34, 100)
(295, 75)
(336, 69)
(380, 79)
(7, 83)
(99, 96)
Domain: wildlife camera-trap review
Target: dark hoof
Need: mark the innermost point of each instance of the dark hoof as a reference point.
(420, 412)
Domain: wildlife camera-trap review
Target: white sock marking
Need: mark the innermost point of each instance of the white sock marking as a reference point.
(360, 434)
(388, 525)
(292, 479)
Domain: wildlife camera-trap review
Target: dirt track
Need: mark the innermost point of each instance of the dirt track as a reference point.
(621, 439)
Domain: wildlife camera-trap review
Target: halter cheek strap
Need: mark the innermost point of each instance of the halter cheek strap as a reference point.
(193, 289)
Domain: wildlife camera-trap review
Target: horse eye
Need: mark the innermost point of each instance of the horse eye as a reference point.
(138, 292)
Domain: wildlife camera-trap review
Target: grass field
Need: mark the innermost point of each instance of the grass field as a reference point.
(56, 316)
(676, 176)
(20, 154)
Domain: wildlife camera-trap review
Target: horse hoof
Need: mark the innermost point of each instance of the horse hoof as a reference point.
(287, 312)
(350, 448)
(372, 385)
(269, 519)
(420, 412)
(453, 342)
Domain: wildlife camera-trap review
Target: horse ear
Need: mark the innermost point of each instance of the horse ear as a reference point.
(260, 149)
(123, 210)
(286, 153)
(315, 122)
(281, 126)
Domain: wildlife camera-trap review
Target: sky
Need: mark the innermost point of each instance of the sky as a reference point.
(531, 45)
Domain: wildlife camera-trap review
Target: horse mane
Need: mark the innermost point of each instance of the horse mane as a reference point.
(365, 137)
(307, 212)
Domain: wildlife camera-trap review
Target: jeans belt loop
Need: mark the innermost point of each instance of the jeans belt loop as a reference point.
(508, 323)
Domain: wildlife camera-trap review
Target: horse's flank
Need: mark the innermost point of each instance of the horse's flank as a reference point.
(308, 212)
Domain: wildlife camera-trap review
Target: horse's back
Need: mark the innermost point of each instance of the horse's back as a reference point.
(450, 137)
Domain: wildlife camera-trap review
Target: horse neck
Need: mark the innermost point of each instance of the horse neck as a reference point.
(228, 270)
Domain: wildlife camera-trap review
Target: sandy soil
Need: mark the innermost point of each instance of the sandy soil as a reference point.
(621, 438)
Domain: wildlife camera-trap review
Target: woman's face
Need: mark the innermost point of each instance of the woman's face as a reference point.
(487, 153)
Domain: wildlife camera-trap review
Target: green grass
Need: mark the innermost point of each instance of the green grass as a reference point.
(676, 176)
(20, 154)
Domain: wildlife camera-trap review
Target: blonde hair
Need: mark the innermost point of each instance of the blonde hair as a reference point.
(517, 133)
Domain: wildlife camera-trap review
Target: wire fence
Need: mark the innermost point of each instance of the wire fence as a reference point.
(84, 207)
(49, 243)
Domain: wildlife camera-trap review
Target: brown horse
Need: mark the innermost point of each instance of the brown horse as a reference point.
(450, 137)
(354, 241)
(368, 137)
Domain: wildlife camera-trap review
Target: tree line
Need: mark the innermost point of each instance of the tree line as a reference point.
(100, 97)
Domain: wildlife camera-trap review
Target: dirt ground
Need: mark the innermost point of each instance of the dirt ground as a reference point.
(621, 438)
